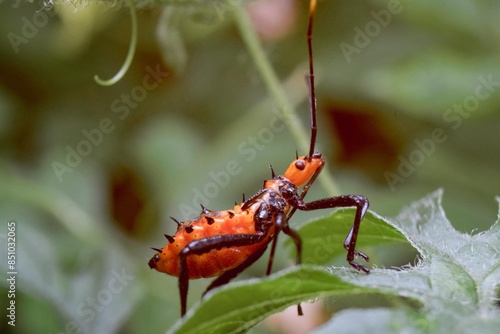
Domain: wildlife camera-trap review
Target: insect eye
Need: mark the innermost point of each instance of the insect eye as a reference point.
(300, 164)
(153, 261)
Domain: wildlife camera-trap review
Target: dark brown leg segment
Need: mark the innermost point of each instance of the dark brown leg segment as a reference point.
(361, 203)
(202, 246)
(230, 274)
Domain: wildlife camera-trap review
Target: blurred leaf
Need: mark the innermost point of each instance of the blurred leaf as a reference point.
(437, 80)
(170, 40)
(50, 200)
(162, 148)
(90, 19)
(96, 295)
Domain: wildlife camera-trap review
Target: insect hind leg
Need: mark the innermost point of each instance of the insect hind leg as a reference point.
(230, 274)
(205, 245)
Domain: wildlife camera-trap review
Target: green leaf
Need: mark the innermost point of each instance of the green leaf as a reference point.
(323, 237)
(457, 277)
(237, 307)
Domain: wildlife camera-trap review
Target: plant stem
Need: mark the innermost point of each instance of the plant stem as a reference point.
(130, 54)
(277, 91)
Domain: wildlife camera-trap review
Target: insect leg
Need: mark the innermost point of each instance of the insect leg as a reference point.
(205, 245)
(230, 274)
(271, 255)
(296, 239)
(361, 203)
(298, 244)
(282, 225)
(278, 221)
(281, 222)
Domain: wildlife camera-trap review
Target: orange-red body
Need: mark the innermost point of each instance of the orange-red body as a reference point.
(235, 221)
(215, 262)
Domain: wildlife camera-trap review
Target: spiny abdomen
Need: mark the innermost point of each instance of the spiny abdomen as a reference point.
(217, 261)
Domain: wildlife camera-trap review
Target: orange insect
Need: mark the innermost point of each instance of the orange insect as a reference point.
(224, 243)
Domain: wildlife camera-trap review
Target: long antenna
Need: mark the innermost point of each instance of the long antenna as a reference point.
(312, 94)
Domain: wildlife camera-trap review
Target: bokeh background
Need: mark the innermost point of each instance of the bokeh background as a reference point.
(90, 174)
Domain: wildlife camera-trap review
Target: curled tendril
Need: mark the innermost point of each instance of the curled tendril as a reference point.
(130, 54)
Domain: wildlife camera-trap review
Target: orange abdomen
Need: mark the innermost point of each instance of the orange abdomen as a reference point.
(217, 261)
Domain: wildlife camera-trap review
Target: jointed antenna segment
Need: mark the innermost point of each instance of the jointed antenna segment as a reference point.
(312, 93)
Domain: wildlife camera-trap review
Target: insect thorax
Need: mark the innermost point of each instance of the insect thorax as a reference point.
(274, 199)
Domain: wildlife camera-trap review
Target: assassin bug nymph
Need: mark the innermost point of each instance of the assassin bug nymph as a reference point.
(224, 243)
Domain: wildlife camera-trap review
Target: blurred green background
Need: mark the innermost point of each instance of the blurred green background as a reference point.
(389, 75)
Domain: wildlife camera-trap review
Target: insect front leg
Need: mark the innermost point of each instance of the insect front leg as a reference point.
(205, 245)
(361, 203)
